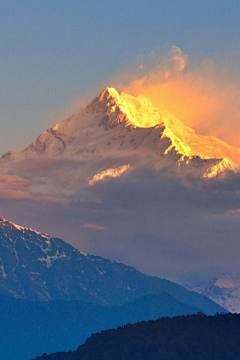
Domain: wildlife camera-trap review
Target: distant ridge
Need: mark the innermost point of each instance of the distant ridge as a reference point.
(223, 289)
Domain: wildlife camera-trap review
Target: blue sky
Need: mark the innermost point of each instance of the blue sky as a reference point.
(54, 51)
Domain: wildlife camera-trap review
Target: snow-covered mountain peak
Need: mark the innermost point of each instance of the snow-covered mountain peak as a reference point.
(223, 289)
(112, 108)
(100, 105)
(107, 93)
(116, 129)
(117, 108)
(139, 111)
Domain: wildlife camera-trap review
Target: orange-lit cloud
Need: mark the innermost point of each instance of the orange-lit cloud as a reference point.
(235, 212)
(204, 97)
(15, 187)
(94, 226)
(24, 195)
(12, 181)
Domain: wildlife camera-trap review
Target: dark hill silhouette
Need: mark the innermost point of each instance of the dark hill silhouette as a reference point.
(194, 337)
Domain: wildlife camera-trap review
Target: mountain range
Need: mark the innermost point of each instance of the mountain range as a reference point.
(53, 296)
(36, 266)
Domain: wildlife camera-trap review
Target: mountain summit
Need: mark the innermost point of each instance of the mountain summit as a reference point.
(112, 109)
(118, 129)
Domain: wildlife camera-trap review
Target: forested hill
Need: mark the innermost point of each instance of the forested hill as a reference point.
(197, 337)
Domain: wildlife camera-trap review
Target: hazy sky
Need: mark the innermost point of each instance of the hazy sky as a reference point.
(53, 52)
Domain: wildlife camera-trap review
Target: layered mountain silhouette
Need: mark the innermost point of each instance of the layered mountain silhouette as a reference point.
(36, 266)
(29, 328)
(53, 296)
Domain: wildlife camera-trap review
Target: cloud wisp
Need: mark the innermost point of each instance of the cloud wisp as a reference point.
(16, 188)
(93, 226)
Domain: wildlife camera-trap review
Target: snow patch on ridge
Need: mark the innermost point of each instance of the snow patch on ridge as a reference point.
(4, 275)
(176, 144)
(112, 172)
(219, 168)
(49, 260)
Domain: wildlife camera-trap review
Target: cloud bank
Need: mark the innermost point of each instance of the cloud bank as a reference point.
(147, 219)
